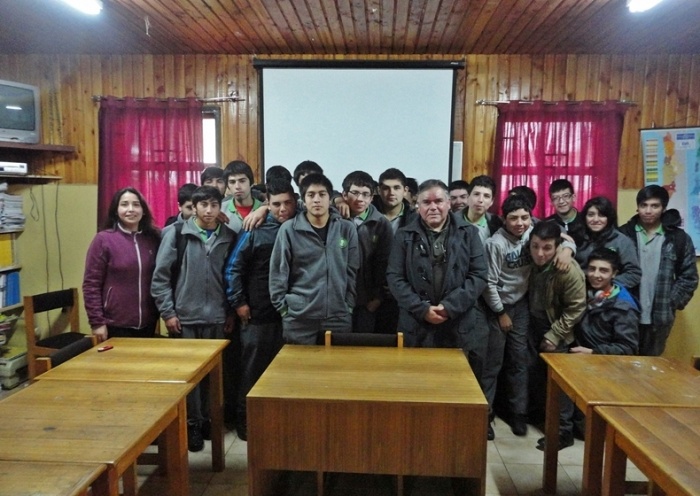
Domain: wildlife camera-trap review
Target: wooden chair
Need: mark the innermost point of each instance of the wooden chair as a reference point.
(66, 300)
(361, 339)
(43, 364)
(364, 339)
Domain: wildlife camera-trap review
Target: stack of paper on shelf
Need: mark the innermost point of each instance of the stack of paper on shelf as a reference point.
(11, 216)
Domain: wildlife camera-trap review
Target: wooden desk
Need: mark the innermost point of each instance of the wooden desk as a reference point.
(49, 479)
(594, 380)
(403, 411)
(96, 422)
(157, 360)
(662, 442)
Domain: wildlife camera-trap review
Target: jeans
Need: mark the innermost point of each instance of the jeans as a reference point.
(310, 331)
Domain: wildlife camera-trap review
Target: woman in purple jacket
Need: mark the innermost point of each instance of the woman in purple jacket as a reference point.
(118, 270)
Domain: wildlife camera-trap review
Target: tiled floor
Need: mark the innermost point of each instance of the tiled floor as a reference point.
(514, 468)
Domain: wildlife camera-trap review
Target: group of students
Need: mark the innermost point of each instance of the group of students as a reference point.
(265, 267)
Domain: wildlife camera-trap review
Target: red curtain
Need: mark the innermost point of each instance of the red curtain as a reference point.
(153, 145)
(538, 142)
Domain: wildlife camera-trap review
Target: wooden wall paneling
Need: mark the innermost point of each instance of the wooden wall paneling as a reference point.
(581, 81)
(559, 79)
(593, 78)
(509, 79)
(672, 97)
(459, 107)
(693, 117)
(537, 70)
(681, 110)
(526, 77)
(570, 81)
(149, 75)
(548, 77)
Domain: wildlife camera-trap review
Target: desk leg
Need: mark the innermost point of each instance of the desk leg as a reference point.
(593, 453)
(615, 466)
(101, 486)
(176, 453)
(551, 435)
(216, 411)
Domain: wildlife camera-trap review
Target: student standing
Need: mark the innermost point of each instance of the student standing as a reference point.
(669, 272)
(313, 267)
(188, 286)
(118, 270)
(459, 194)
(562, 196)
(239, 180)
(247, 290)
(374, 237)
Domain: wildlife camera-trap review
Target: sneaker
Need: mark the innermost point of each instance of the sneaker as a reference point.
(518, 425)
(206, 430)
(195, 441)
(490, 435)
(564, 442)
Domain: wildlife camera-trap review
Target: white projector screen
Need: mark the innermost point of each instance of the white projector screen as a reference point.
(369, 119)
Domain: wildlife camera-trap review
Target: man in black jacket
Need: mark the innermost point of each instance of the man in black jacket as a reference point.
(247, 290)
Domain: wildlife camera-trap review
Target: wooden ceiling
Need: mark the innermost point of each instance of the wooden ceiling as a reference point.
(259, 27)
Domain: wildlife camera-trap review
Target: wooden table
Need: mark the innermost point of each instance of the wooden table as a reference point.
(50, 479)
(157, 360)
(662, 442)
(96, 422)
(403, 411)
(595, 380)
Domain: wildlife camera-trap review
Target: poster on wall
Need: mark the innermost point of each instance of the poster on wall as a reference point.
(672, 159)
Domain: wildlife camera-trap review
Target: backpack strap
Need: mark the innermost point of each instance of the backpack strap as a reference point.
(181, 246)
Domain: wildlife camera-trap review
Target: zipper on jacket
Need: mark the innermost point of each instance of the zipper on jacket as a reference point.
(138, 259)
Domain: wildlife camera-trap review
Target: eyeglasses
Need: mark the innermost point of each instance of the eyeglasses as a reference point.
(562, 198)
(360, 194)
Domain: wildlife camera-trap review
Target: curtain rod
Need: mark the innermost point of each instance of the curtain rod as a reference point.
(530, 102)
(218, 99)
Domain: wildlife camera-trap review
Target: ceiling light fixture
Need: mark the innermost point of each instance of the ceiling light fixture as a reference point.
(641, 5)
(90, 7)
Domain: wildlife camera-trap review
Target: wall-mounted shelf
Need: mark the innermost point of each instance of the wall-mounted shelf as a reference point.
(29, 178)
(23, 152)
(36, 149)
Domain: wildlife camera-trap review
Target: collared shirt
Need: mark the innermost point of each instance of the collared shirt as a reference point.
(206, 234)
(359, 219)
(482, 225)
(396, 221)
(649, 249)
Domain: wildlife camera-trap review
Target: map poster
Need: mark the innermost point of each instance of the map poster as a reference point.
(672, 159)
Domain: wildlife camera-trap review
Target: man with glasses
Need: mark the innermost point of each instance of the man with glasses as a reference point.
(374, 236)
(561, 193)
(436, 272)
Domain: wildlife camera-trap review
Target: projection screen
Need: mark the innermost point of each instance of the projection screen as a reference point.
(358, 116)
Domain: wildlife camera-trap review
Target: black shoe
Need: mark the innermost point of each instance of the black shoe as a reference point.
(490, 435)
(195, 441)
(242, 432)
(518, 425)
(564, 442)
(206, 430)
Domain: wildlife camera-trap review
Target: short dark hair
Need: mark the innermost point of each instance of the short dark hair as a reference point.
(318, 179)
(184, 193)
(238, 167)
(412, 185)
(278, 186)
(432, 183)
(306, 167)
(560, 185)
(360, 179)
(547, 230)
(605, 208)
(394, 174)
(515, 202)
(653, 191)
(211, 173)
(458, 184)
(526, 192)
(607, 255)
(483, 181)
(259, 187)
(204, 193)
(278, 172)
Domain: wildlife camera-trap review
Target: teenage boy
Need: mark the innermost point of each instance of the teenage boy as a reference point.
(188, 286)
(247, 290)
(459, 192)
(411, 191)
(609, 326)
(436, 273)
(213, 176)
(562, 196)
(184, 204)
(313, 267)
(396, 209)
(481, 194)
(239, 180)
(374, 237)
(509, 265)
(669, 274)
(557, 300)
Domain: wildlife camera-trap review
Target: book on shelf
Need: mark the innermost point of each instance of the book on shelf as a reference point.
(6, 251)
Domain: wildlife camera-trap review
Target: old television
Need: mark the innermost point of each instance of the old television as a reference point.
(20, 113)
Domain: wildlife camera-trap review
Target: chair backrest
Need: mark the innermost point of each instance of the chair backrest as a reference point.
(364, 339)
(65, 299)
(64, 354)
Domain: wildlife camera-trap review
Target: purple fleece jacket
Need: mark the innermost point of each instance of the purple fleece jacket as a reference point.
(117, 281)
